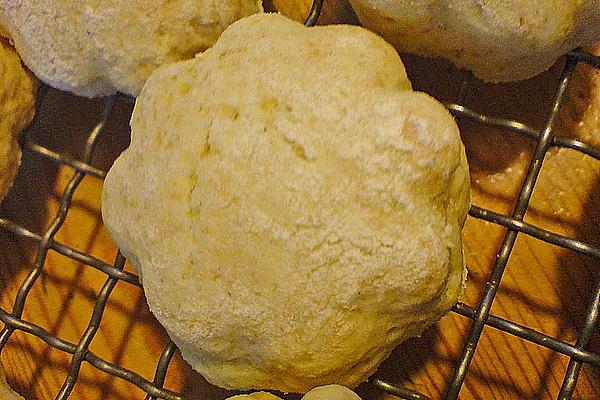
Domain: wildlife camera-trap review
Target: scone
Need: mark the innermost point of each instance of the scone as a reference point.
(17, 101)
(255, 396)
(6, 393)
(94, 48)
(293, 207)
(329, 392)
(499, 40)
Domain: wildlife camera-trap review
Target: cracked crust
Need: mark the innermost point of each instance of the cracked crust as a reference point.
(293, 207)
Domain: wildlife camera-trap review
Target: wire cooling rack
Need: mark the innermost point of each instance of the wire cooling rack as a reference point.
(480, 315)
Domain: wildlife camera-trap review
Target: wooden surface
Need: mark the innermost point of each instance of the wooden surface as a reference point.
(545, 287)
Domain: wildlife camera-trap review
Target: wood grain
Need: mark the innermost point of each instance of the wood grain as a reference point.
(544, 287)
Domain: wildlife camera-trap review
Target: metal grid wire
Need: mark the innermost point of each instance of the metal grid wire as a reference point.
(479, 315)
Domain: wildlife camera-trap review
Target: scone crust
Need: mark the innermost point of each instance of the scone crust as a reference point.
(499, 40)
(94, 48)
(293, 208)
(17, 104)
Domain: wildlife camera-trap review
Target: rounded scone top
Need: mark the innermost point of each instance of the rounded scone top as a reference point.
(293, 207)
(17, 104)
(499, 40)
(94, 48)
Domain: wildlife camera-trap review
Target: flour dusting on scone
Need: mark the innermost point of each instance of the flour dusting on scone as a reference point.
(293, 207)
(499, 40)
(94, 48)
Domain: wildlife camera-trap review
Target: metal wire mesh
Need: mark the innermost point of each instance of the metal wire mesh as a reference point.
(480, 315)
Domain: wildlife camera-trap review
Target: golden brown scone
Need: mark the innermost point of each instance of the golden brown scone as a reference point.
(94, 48)
(6, 393)
(17, 103)
(499, 40)
(293, 207)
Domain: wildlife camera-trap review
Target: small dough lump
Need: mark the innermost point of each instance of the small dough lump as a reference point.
(17, 103)
(329, 392)
(94, 48)
(255, 396)
(293, 207)
(499, 40)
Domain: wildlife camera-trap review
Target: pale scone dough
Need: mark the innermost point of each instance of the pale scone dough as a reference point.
(499, 40)
(329, 392)
(6, 393)
(255, 396)
(17, 103)
(94, 48)
(293, 207)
